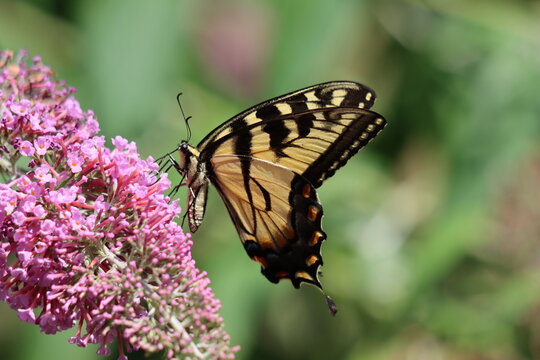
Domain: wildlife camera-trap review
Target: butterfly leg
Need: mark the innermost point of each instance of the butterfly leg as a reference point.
(172, 163)
(165, 163)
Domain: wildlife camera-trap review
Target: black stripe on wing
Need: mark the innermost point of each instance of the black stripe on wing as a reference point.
(242, 147)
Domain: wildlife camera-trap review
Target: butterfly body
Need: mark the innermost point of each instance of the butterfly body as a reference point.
(266, 163)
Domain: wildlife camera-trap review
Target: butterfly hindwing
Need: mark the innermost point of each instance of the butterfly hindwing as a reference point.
(277, 215)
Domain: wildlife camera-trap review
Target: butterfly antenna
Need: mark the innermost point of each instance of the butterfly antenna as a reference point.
(186, 119)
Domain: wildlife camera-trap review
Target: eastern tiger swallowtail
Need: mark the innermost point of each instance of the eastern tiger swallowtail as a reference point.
(266, 163)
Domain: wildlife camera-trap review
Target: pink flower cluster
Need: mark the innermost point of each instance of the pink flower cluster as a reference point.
(87, 237)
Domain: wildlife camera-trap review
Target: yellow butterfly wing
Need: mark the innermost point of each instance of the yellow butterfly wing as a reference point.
(277, 215)
(312, 140)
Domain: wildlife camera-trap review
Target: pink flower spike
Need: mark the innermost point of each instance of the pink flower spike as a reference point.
(88, 237)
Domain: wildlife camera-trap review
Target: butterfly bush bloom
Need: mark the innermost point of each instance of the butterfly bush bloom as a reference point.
(87, 238)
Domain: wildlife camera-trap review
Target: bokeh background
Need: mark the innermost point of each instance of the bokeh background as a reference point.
(433, 247)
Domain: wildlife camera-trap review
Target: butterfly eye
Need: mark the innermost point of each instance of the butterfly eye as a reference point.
(183, 147)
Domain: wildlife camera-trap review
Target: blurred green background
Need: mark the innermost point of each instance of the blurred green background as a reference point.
(433, 247)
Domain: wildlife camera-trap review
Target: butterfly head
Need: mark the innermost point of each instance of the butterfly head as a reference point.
(188, 159)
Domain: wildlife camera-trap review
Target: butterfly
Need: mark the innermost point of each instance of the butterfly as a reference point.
(266, 163)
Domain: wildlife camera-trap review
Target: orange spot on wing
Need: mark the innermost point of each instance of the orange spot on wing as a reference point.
(260, 260)
(312, 213)
(306, 191)
(315, 238)
(282, 274)
(311, 260)
(303, 275)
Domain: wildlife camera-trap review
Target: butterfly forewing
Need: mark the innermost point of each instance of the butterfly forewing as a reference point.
(331, 94)
(314, 144)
